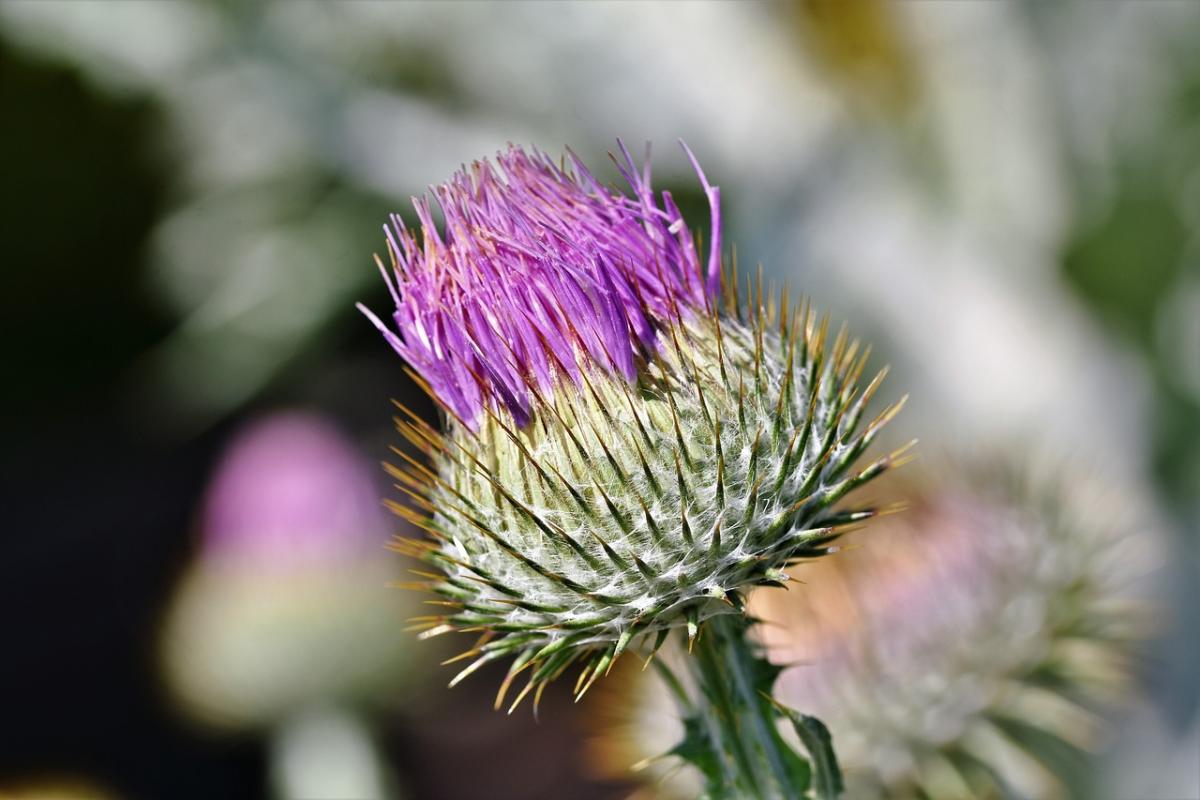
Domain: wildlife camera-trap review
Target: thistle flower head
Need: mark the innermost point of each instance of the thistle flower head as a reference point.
(625, 450)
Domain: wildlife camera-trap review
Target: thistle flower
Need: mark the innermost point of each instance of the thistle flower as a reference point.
(629, 446)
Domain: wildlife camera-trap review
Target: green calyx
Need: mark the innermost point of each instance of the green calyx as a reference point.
(626, 510)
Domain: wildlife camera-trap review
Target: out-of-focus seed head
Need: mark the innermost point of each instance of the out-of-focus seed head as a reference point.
(626, 448)
(982, 650)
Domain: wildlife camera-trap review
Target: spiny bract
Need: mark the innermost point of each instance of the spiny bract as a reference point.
(625, 452)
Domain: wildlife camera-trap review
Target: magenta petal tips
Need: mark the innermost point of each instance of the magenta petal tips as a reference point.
(540, 270)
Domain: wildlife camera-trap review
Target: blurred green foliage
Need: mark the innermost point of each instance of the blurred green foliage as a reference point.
(1130, 265)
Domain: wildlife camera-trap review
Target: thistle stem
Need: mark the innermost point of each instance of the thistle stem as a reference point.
(748, 756)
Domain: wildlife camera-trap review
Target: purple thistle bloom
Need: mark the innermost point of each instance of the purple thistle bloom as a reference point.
(541, 269)
(626, 511)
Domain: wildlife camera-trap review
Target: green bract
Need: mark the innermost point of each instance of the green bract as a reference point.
(625, 509)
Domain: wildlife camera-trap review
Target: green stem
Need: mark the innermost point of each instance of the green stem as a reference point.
(748, 757)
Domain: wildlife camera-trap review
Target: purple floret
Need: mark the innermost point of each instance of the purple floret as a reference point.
(539, 271)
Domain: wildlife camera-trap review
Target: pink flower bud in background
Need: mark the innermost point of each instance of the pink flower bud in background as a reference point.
(289, 604)
(291, 492)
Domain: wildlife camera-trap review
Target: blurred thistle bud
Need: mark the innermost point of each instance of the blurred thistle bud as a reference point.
(982, 652)
(287, 604)
(629, 446)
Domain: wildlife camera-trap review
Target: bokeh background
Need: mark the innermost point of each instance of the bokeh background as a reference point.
(1003, 197)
